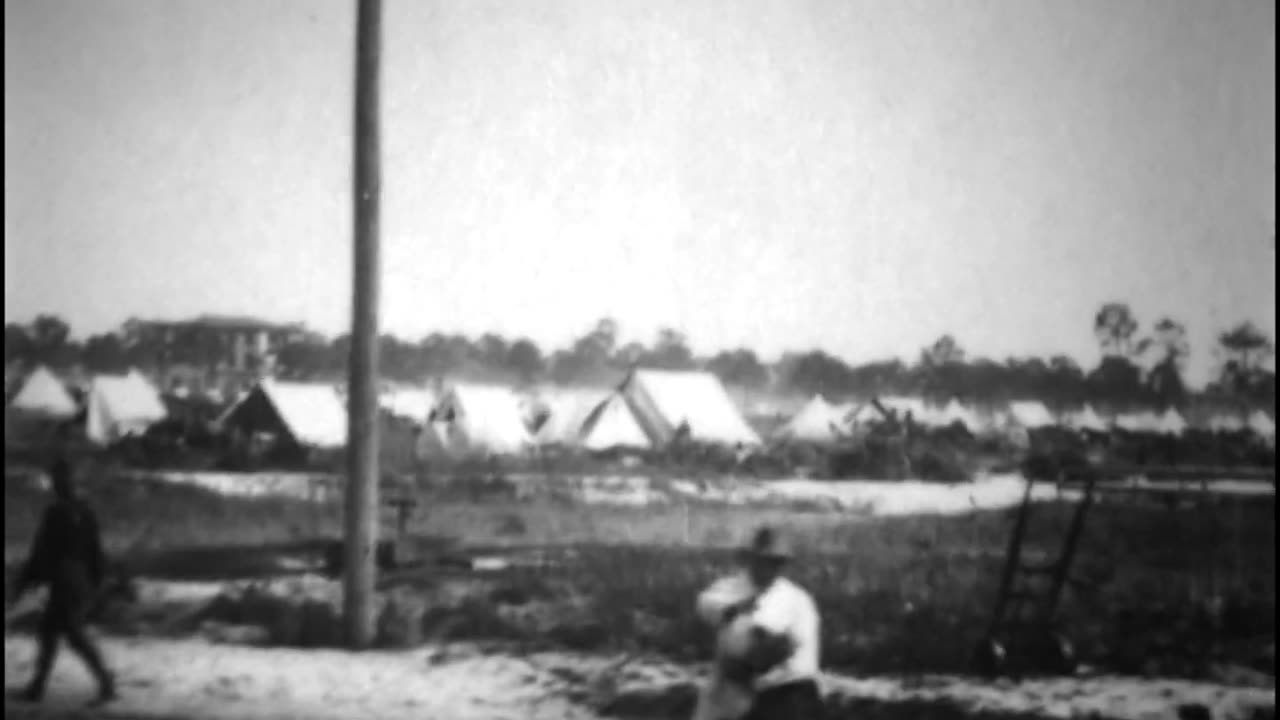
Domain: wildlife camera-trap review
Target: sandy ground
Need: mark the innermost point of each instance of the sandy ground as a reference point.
(162, 679)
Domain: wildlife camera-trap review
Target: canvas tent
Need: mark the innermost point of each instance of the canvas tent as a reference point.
(43, 395)
(1262, 424)
(483, 419)
(611, 425)
(664, 401)
(566, 412)
(1170, 422)
(817, 422)
(311, 414)
(1140, 422)
(1224, 422)
(413, 404)
(920, 411)
(1086, 418)
(1029, 415)
(121, 406)
(956, 412)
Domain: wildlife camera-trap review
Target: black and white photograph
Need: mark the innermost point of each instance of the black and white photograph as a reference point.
(640, 359)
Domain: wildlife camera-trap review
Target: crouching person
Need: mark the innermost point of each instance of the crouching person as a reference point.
(767, 631)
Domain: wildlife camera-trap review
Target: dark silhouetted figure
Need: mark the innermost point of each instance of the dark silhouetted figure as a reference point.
(66, 556)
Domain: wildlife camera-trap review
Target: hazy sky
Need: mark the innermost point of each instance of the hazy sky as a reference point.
(859, 175)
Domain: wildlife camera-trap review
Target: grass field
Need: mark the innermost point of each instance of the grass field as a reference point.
(905, 594)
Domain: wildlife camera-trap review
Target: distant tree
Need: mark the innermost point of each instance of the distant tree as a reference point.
(629, 355)
(670, 351)
(18, 344)
(817, 372)
(524, 358)
(1065, 381)
(305, 359)
(105, 353)
(941, 368)
(739, 367)
(491, 351)
(1170, 349)
(944, 351)
(51, 341)
(1116, 379)
(879, 377)
(1115, 326)
(1246, 351)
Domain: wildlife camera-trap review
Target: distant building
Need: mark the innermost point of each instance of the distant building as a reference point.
(216, 343)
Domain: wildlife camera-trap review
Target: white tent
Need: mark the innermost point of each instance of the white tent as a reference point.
(612, 425)
(483, 419)
(664, 400)
(1140, 422)
(409, 403)
(817, 422)
(567, 413)
(1029, 415)
(1262, 424)
(1171, 422)
(313, 413)
(920, 411)
(433, 441)
(956, 412)
(43, 394)
(1086, 418)
(1226, 423)
(121, 406)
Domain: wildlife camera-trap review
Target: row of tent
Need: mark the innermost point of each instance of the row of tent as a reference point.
(649, 409)
(113, 406)
(821, 421)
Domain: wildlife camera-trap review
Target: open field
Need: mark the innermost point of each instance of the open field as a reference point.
(1180, 588)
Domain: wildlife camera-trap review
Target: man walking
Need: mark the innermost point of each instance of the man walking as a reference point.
(776, 622)
(66, 556)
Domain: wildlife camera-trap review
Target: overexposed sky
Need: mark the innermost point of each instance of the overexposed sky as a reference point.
(861, 175)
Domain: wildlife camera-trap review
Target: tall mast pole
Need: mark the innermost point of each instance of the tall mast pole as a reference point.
(361, 516)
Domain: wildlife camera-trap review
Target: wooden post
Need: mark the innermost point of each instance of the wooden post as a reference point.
(361, 517)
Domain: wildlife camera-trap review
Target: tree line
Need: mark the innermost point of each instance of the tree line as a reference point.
(1138, 366)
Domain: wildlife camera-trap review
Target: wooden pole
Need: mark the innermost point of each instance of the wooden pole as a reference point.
(361, 517)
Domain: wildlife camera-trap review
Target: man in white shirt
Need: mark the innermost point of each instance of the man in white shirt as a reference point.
(780, 669)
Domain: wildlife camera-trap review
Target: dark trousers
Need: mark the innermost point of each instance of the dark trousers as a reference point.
(792, 701)
(66, 617)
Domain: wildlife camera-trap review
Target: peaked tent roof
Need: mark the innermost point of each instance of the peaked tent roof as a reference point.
(484, 418)
(1140, 422)
(121, 406)
(567, 414)
(662, 400)
(312, 413)
(612, 425)
(956, 412)
(1262, 424)
(42, 393)
(1171, 422)
(1030, 414)
(818, 421)
(1086, 418)
(410, 403)
(1226, 422)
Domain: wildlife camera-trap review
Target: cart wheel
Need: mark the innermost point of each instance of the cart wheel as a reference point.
(990, 658)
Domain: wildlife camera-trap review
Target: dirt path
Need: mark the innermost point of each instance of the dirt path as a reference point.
(196, 680)
(193, 679)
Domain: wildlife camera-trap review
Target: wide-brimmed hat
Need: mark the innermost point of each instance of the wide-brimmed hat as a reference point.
(767, 544)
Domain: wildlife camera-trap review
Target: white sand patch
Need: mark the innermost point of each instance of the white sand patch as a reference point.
(193, 679)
